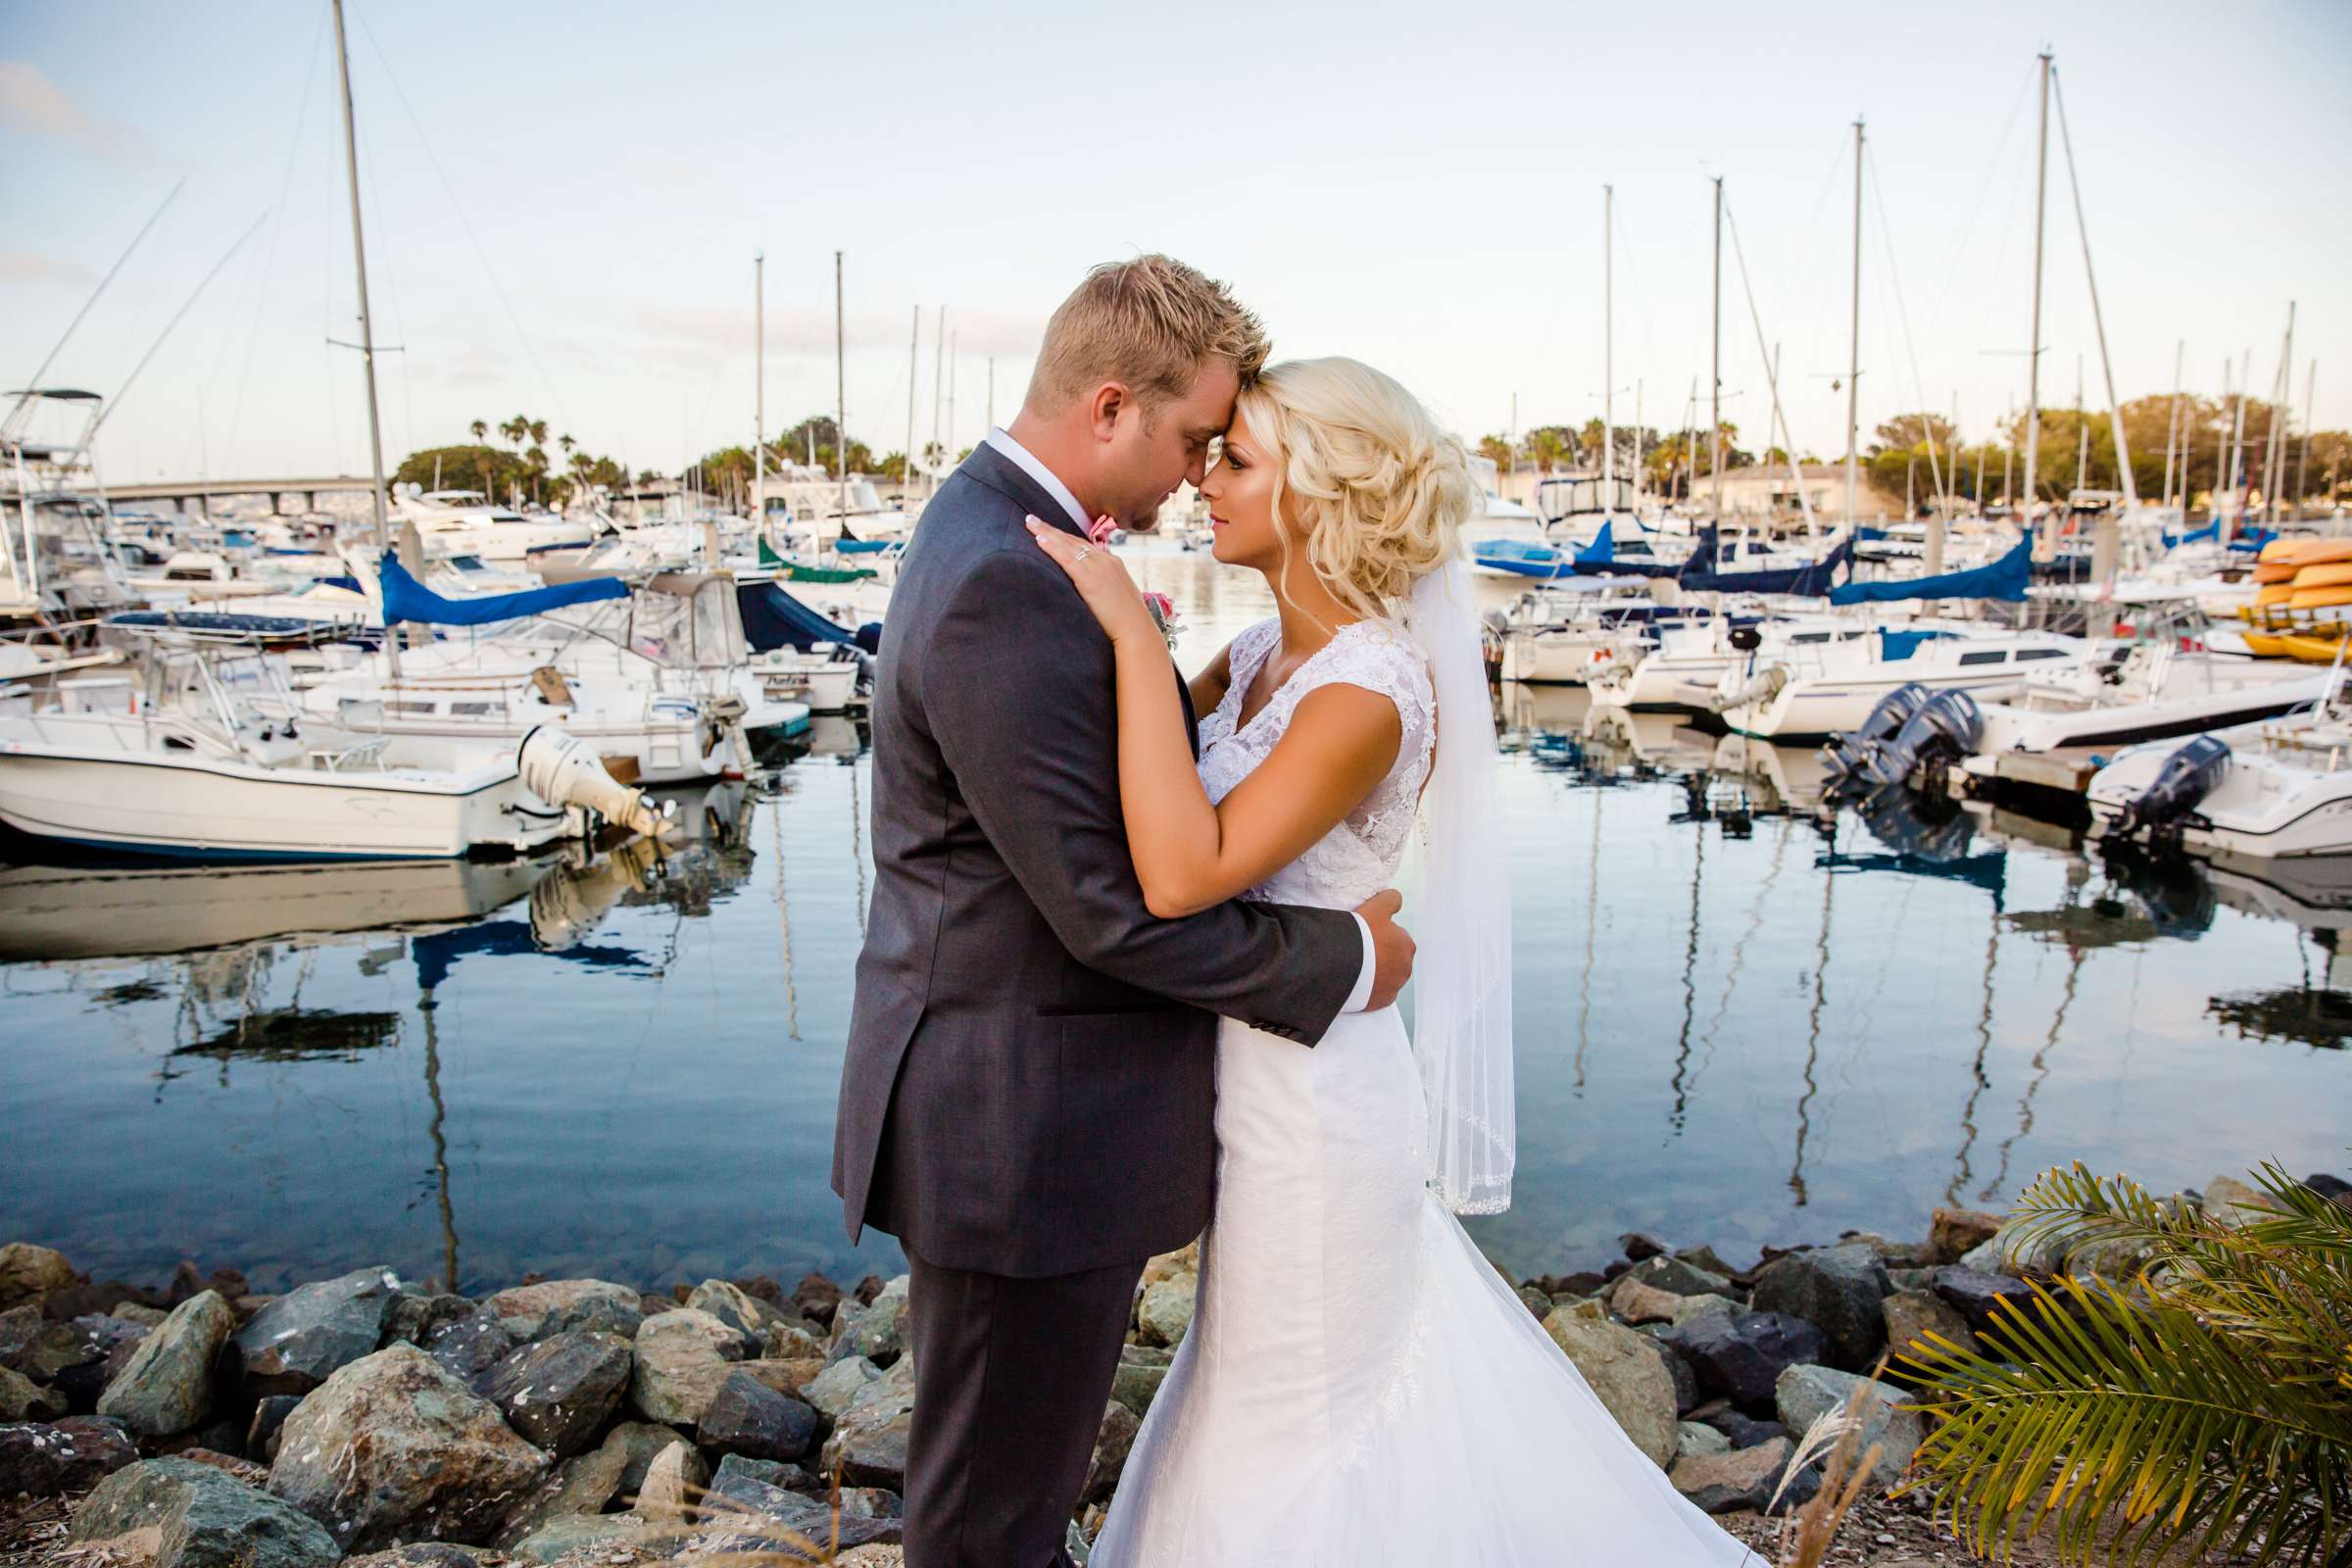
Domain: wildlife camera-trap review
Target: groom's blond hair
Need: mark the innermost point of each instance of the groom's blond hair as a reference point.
(1150, 322)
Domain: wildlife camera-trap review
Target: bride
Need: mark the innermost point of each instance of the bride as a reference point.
(1358, 1385)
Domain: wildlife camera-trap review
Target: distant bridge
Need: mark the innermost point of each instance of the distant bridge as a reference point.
(180, 493)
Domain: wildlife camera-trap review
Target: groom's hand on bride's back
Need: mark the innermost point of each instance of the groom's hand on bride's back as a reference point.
(1391, 947)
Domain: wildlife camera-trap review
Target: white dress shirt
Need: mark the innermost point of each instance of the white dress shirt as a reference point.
(1021, 458)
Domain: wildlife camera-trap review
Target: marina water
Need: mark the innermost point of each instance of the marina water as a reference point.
(1737, 1023)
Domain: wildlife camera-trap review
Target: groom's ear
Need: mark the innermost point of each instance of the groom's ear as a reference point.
(1111, 400)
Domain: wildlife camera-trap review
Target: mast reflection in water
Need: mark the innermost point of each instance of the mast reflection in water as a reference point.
(1740, 1021)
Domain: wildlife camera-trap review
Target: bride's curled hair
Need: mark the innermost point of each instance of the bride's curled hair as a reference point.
(1376, 490)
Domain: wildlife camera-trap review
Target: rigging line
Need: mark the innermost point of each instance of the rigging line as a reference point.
(116, 402)
(1772, 379)
(153, 218)
(1902, 312)
(1958, 251)
(466, 222)
(285, 189)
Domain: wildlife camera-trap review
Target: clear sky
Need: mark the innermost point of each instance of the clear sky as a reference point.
(564, 202)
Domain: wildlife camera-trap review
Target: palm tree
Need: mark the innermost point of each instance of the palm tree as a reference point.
(2203, 1397)
(1496, 449)
(1547, 450)
(481, 429)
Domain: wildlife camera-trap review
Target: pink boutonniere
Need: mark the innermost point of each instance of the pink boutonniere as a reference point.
(1165, 616)
(1100, 530)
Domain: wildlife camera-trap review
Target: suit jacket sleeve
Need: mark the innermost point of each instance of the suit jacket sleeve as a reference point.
(1027, 723)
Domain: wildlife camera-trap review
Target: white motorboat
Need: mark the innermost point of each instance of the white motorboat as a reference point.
(465, 523)
(201, 761)
(1814, 690)
(2271, 791)
(1557, 635)
(2154, 692)
(1682, 669)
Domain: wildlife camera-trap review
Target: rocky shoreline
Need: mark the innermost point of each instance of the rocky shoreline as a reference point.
(372, 1421)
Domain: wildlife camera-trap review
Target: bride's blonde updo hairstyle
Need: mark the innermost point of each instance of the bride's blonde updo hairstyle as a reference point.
(1376, 490)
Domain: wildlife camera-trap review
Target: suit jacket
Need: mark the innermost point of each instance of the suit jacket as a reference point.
(1028, 1088)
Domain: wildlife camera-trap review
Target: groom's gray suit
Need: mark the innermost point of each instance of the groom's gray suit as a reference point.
(1028, 1094)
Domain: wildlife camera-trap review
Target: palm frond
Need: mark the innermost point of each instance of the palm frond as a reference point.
(2114, 1409)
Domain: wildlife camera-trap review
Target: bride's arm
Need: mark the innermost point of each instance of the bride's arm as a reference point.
(1189, 855)
(1210, 686)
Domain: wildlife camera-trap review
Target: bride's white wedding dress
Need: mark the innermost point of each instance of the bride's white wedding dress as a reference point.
(1359, 1386)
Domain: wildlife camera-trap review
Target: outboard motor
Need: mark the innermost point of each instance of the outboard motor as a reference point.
(1944, 726)
(2187, 777)
(1851, 752)
(565, 771)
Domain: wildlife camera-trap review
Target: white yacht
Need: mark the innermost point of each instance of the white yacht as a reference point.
(2154, 691)
(1813, 689)
(467, 523)
(1681, 669)
(2271, 791)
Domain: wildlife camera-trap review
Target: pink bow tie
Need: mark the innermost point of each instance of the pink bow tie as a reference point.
(1101, 529)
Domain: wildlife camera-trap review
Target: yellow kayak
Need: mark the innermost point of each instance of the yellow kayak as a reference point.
(2309, 650)
(2320, 598)
(2335, 575)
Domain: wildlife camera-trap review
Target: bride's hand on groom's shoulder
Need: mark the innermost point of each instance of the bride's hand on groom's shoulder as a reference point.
(1102, 583)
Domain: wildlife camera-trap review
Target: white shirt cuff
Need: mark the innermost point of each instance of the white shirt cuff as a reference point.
(1363, 982)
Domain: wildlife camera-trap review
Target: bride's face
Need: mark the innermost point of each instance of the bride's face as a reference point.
(1239, 491)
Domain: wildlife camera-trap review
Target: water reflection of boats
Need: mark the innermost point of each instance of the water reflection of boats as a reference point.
(1618, 737)
(1779, 778)
(62, 911)
(298, 1034)
(712, 860)
(2308, 1014)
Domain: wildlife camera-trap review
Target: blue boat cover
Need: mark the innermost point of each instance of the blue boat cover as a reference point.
(1602, 551)
(773, 618)
(1523, 558)
(2211, 530)
(1894, 645)
(1808, 582)
(406, 599)
(2004, 579)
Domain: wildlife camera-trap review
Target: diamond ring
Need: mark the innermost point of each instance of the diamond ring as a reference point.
(1084, 551)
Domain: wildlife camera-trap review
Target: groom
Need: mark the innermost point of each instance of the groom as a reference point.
(1027, 1098)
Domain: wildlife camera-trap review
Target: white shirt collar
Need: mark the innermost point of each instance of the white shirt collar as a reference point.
(1026, 461)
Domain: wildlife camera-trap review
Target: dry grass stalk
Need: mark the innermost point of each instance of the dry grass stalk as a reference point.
(1806, 1535)
(719, 1516)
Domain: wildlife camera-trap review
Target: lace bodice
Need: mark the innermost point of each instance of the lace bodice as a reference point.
(1362, 855)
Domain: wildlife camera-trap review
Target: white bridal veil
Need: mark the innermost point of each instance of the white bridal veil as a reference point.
(1462, 971)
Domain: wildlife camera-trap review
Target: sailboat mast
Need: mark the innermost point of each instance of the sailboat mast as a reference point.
(2172, 430)
(841, 396)
(359, 250)
(2311, 385)
(1609, 352)
(1853, 353)
(2041, 190)
(939, 374)
(2273, 477)
(758, 393)
(915, 343)
(1715, 366)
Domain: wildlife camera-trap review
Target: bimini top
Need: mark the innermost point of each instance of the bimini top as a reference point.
(406, 599)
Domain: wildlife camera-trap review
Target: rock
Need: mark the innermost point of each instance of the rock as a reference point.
(1835, 1289)
(168, 1385)
(138, 1312)
(1703, 1256)
(22, 1399)
(1977, 1294)
(415, 1319)
(1141, 1371)
(792, 1341)
(748, 1417)
(1624, 1371)
(673, 1486)
(174, 1513)
(682, 1357)
(582, 1483)
(1806, 1393)
(797, 1535)
(1690, 1307)
(423, 1555)
(2335, 1188)
(558, 1391)
(561, 1306)
(1916, 1314)
(471, 1345)
(1685, 1379)
(269, 1419)
(815, 1297)
(1952, 1231)
(29, 1272)
(753, 1477)
(1534, 1301)
(1693, 1439)
(1744, 1478)
(831, 1390)
(393, 1447)
(1676, 1277)
(1742, 1356)
(868, 1445)
(1575, 1285)
(877, 1331)
(291, 1344)
(67, 1456)
(1111, 1446)
(1637, 1247)
(1636, 1302)
(245, 1470)
(581, 1533)
(1166, 1310)
(736, 1307)
(1743, 1433)
(639, 1443)
(2232, 1202)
